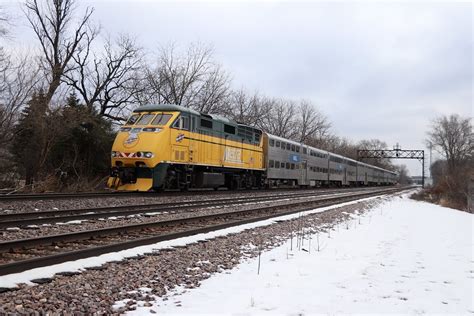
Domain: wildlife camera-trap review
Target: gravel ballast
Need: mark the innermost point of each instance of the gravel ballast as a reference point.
(13, 233)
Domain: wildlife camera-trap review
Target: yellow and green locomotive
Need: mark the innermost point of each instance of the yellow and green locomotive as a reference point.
(168, 146)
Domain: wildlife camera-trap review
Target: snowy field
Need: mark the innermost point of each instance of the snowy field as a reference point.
(403, 257)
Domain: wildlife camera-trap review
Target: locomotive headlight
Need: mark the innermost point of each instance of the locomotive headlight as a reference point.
(145, 154)
(114, 154)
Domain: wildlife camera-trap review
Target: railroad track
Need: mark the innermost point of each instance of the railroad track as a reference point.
(62, 216)
(25, 254)
(59, 196)
(81, 195)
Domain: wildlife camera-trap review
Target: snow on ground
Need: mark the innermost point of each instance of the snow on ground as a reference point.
(403, 257)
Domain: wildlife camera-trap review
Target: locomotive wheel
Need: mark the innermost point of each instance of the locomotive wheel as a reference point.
(159, 189)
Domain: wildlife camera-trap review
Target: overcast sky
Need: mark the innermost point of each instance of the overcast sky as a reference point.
(376, 69)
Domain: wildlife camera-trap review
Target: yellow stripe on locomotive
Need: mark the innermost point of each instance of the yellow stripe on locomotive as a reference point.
(169, 146)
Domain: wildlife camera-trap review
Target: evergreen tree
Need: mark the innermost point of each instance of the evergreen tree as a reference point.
(29, 137)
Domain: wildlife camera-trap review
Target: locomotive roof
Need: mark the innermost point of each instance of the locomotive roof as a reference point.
(165, 107)
(180, 108)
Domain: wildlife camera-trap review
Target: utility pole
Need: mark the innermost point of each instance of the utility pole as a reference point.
(431, 152)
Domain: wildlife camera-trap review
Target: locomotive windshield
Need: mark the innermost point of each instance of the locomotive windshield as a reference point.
(132, 119)
(161, 119)
(145, 119)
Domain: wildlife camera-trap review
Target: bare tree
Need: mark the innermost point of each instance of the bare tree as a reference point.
(245, 108)
(452, 136)
(107, 81)
(372, 144)
(311, 122)
(376, 144)
(51, 21)
(4, 22)
(281, 119)
(17, 80)
(192, 79)
(438, 171)
(403, 173)
(334, 144)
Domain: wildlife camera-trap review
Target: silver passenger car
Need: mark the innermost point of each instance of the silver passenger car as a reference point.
(291, 163)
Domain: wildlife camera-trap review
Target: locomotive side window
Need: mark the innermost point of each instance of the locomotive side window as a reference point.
(161, 119)
(206, 123)
(185, 122)
(256, 137)
(182, 123)
(145, 119)
(132, 119)
(229, 129)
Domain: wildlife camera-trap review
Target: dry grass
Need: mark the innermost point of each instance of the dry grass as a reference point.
(441, 196)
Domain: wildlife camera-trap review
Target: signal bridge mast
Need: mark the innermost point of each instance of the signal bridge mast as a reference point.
(396, 153)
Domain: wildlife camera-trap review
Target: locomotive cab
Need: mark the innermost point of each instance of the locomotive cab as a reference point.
(139, 147)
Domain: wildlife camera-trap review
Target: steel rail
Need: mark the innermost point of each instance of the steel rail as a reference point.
(191, 192)
(42, 217)
(23, 265)
(50, 196)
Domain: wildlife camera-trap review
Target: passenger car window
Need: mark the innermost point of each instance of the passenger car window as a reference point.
(288, 146)
(272, 143)
(277, 164)
(145, 119)
(277, 144)
(305, 151)
(161, 119)
(293, 148)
